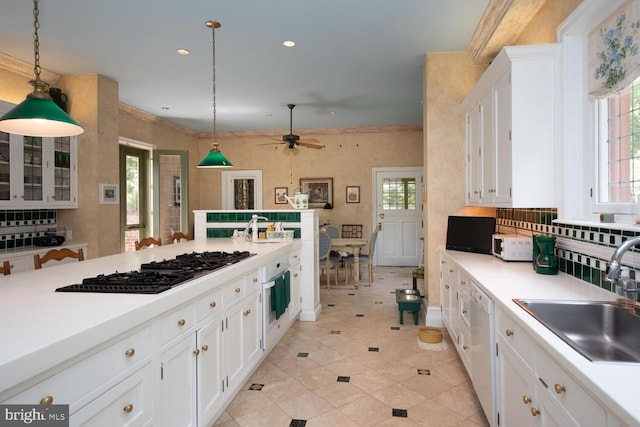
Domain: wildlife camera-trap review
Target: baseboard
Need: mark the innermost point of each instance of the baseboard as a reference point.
(434, 316)
(310, 316)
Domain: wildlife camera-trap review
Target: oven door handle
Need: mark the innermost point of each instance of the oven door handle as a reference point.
(271, 282)
(269, 285)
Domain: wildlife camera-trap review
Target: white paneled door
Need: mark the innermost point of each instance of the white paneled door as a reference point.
(398, 210)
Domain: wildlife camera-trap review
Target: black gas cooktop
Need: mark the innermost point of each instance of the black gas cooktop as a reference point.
(158, 276)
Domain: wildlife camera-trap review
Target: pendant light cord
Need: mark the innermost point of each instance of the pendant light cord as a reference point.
(36, 40)
(213, 49)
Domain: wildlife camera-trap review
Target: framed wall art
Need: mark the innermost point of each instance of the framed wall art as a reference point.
(353, 194)
(281, 195)
(109, 194)
(320, 191)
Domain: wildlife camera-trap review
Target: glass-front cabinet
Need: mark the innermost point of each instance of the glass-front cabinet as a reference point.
(38, 172)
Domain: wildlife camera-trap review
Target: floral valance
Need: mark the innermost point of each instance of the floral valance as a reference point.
(614, 52)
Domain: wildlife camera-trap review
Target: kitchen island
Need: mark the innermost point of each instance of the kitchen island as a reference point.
(54, 343)
(537, 374)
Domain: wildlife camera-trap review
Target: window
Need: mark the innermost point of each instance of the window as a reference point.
(618, 153)
(399, 193)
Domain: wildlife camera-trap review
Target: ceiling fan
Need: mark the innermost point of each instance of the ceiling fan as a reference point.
(292, 140)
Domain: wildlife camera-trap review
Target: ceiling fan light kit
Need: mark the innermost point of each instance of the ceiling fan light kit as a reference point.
(38, 115)
(214, 158)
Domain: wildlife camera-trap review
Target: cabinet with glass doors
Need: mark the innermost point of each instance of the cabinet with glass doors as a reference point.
(37, 172)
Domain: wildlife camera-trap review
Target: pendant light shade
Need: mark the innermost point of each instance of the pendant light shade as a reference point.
(38, 115)
(214, 158)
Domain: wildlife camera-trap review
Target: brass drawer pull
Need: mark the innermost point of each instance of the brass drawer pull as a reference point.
(196, 352)
(46, 400)
(212, 304)
(526, 400)
(509, 332)
(246, 313)
(181, 322)
(130, 352)
(128, 408)
(535, 412)
(559, 389)
(205, 347)
(237, 290)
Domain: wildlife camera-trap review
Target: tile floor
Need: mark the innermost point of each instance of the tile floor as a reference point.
(357, 366)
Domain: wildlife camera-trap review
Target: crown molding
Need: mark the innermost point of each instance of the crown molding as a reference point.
(309, 132)
(25, 69)
(153, 119)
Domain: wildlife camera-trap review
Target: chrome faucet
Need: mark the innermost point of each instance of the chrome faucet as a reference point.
(613, 271)
(253, 225)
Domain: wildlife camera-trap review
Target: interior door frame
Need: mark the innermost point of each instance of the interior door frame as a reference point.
(184, 187)
(414, 170)
(227, 178)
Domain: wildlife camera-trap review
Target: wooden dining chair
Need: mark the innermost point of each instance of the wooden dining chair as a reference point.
(6, 268)
(326, 259)
(58, 255)
(147, 241)
(177, 236)
(365, 258)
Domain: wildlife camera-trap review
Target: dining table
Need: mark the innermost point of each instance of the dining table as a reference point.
(352, 246)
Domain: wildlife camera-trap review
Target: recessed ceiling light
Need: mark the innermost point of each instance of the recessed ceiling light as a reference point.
(165, 108)
(332, 112)
(289, 43)
(183, 51)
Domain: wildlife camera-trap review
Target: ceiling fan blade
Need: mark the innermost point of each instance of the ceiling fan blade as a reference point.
(309, 141)
(309, 144)
(271, 143)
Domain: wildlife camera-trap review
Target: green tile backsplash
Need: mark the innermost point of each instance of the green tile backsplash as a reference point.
(19, 227)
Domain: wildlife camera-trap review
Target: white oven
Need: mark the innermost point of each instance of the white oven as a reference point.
(276, 296)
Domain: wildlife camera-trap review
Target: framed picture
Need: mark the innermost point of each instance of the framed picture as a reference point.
(281, 195)
(109, 194)
(320, 191)
(353, 194)
(177, 191)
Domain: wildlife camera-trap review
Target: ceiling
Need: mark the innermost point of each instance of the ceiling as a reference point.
(355, 63)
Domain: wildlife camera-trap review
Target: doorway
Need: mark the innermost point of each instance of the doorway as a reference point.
(242, 190)
(134, 196)
(398, 210)
(171, 192)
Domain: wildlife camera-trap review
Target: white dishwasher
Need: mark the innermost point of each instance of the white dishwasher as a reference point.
(483, 343)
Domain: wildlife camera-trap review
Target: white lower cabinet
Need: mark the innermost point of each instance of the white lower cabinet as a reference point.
(209, 368)
(252, 329)
(533, 390)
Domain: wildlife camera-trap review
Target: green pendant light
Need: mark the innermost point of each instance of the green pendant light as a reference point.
(38, 115)
(214, 158)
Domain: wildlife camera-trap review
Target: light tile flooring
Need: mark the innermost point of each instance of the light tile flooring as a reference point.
(357, 366)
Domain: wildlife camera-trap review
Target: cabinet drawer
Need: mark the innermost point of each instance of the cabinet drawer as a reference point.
(252, 282)
(126, 404)
(570, 395)
(208, 305)
(513, 334)
(76, 385)
(465, 312)
(233, 292)
(177, 322)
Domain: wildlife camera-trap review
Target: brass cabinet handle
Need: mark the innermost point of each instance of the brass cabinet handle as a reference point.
(196, 352)
(205, 347)
(446, 286)
(255, 280)
(212, 304)
(181, 322)
(509, 332)
(295, 274)
(237, 290)
(451, 270)
(535, 412)
(464, 311)
(46, 400)
(462, 282)
(128, 408)
(559, 388)
(526, 399)
(464, 347)
(443, 262)
(246, 313)
(130, 352)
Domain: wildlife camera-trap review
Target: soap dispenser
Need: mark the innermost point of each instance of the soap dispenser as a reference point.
(626, 289)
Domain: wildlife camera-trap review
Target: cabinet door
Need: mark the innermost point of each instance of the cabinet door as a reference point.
(487, 116)
(503, 158)
(178, 385)
(61, 179)
(232, 339)
(445, 292)
(252, 329)
(474, 160)
(5, 168)
(209, 365)
(516, 389)
(294, 308)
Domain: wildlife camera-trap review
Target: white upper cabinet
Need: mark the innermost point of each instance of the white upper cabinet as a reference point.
(513, 128)
(37, 172)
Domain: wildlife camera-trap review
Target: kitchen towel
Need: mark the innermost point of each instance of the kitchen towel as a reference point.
(281, 294)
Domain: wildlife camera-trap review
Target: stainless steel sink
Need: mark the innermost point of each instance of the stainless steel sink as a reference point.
(599, 330)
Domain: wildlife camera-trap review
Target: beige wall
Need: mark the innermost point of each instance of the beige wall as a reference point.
(348, 157)
(448, 78)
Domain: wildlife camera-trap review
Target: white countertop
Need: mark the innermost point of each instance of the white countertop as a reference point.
(615, 384)
(42, 328)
